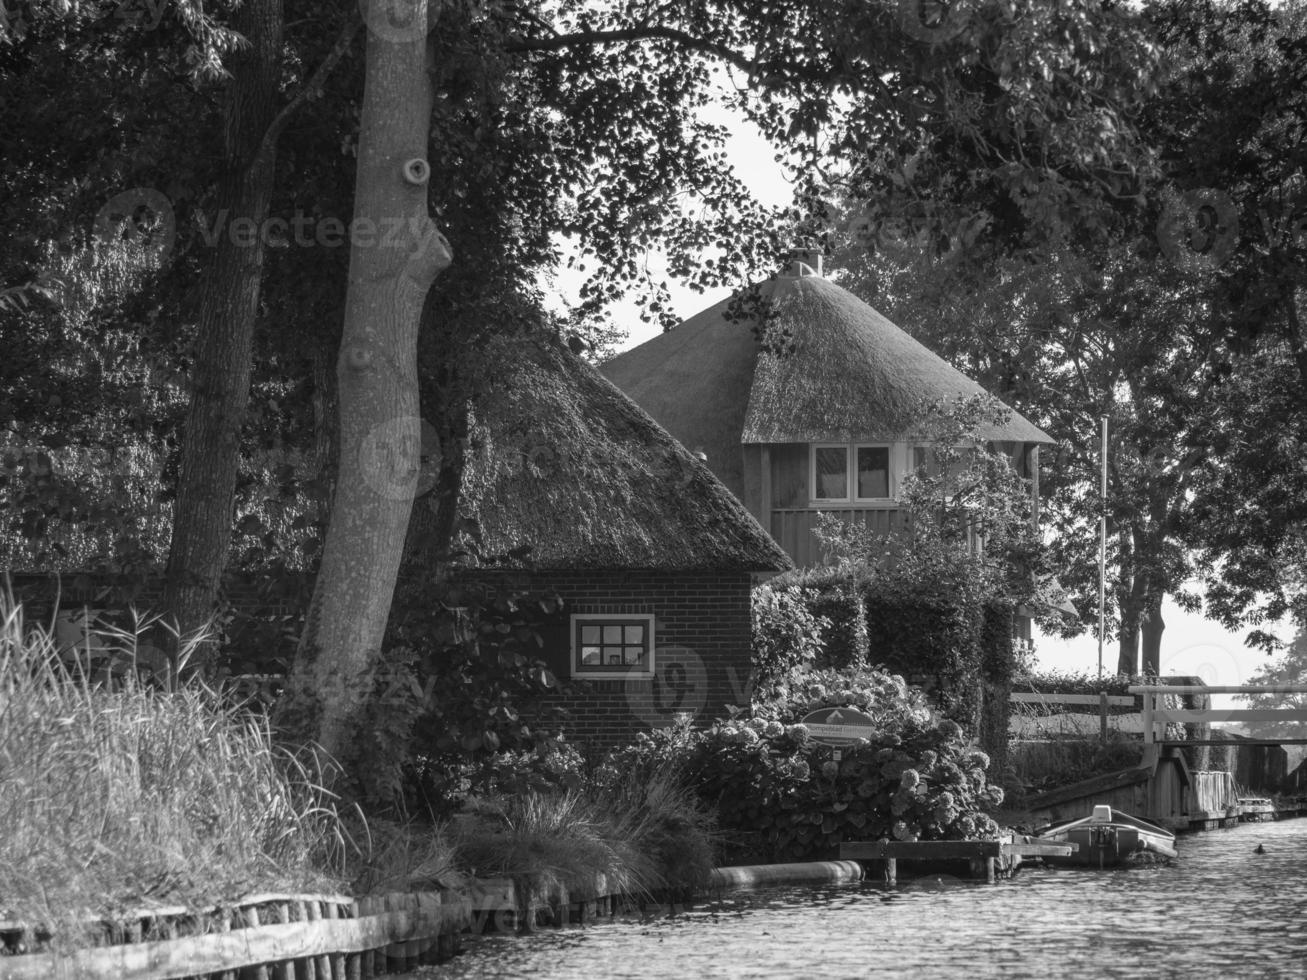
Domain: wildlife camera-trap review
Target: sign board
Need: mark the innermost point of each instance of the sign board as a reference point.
(838, 726)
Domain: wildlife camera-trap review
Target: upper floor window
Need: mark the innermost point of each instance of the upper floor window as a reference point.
(850, 472)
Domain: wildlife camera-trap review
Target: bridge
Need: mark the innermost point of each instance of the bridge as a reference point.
(1156, 718)
(1161, 787)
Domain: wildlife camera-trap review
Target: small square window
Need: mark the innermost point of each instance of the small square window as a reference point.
(613, 646)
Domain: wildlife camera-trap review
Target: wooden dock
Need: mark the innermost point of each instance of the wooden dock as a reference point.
(987, 859)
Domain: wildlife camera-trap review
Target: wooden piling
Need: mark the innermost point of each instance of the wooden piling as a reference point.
(338, 971)
(252, 922)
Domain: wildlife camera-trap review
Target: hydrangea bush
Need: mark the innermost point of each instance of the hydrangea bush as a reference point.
(781, 796)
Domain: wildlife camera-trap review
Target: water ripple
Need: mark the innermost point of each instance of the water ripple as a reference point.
(1218, 911)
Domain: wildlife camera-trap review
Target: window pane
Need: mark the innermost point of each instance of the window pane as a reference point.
(590, 656)
(635, 634)
(634, 655)
(873, 471)
(612, 634)
(832, 464)
(614, 658)
(589, 634)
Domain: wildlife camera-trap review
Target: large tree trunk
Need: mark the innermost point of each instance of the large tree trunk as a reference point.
(228, 309)
(1129, 596)
(1150, 630)
(395, 255)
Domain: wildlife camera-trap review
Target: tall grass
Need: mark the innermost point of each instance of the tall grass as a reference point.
(115, 799)
(642, 836)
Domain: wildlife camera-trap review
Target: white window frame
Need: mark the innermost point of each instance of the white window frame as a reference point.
(616, 672)
(850, 498)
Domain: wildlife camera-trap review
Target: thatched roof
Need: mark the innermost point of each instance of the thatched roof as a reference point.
(565, 463)
(849, 374)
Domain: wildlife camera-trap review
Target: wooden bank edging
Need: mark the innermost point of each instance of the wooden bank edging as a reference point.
(263, 938)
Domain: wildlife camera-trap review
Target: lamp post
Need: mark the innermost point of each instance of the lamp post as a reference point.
(1102, 541)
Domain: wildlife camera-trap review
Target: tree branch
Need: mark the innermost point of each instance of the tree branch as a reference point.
(560, 42)
(309, 90)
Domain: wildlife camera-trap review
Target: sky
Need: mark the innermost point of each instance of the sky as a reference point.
(1191, 644)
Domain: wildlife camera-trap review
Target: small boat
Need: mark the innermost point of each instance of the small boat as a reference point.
(1108, 838)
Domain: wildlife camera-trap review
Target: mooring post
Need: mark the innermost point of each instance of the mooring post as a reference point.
(983, 867)
(891, 871)
(1102, 717)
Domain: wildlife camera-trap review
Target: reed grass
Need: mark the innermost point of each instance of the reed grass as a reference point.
(641, 836)
(142, 796)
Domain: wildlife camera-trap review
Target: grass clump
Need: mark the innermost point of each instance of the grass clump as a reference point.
(118, 799)
(636, 837)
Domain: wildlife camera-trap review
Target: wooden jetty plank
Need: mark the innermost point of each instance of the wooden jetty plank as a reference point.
(1041, 850)
(951, 850)
(923, 850)
(219, 952)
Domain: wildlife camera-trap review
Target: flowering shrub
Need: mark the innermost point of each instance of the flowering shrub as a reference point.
(786, 633)
(780, 796)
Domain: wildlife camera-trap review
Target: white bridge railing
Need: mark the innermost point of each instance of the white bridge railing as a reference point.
(1156, 718)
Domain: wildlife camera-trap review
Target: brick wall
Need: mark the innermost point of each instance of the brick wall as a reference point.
(701, 657)
(701, 635)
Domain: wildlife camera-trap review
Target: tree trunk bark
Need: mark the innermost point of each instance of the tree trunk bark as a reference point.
(1151, 629)
(395, 255)
(1128, 596)
(229, 302)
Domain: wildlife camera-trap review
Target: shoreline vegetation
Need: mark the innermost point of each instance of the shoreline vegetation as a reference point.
(138, 794)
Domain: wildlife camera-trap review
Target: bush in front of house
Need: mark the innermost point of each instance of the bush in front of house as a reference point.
(787, 634)
(834, 597)
(780, 796)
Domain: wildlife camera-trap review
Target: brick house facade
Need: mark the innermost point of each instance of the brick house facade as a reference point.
(701, 650)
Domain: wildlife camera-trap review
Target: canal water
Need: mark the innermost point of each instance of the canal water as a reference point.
(1219, 910)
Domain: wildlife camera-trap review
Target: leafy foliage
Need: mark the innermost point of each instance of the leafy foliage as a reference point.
(1289, 668)
(833, 596)
(780, 796)
(786, 633)
(462, 700)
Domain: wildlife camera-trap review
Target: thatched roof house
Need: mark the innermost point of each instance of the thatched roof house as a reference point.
(824, 415)
(568, 466)
(655, 559)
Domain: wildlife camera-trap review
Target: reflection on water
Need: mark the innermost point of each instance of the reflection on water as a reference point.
(1218, 911)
